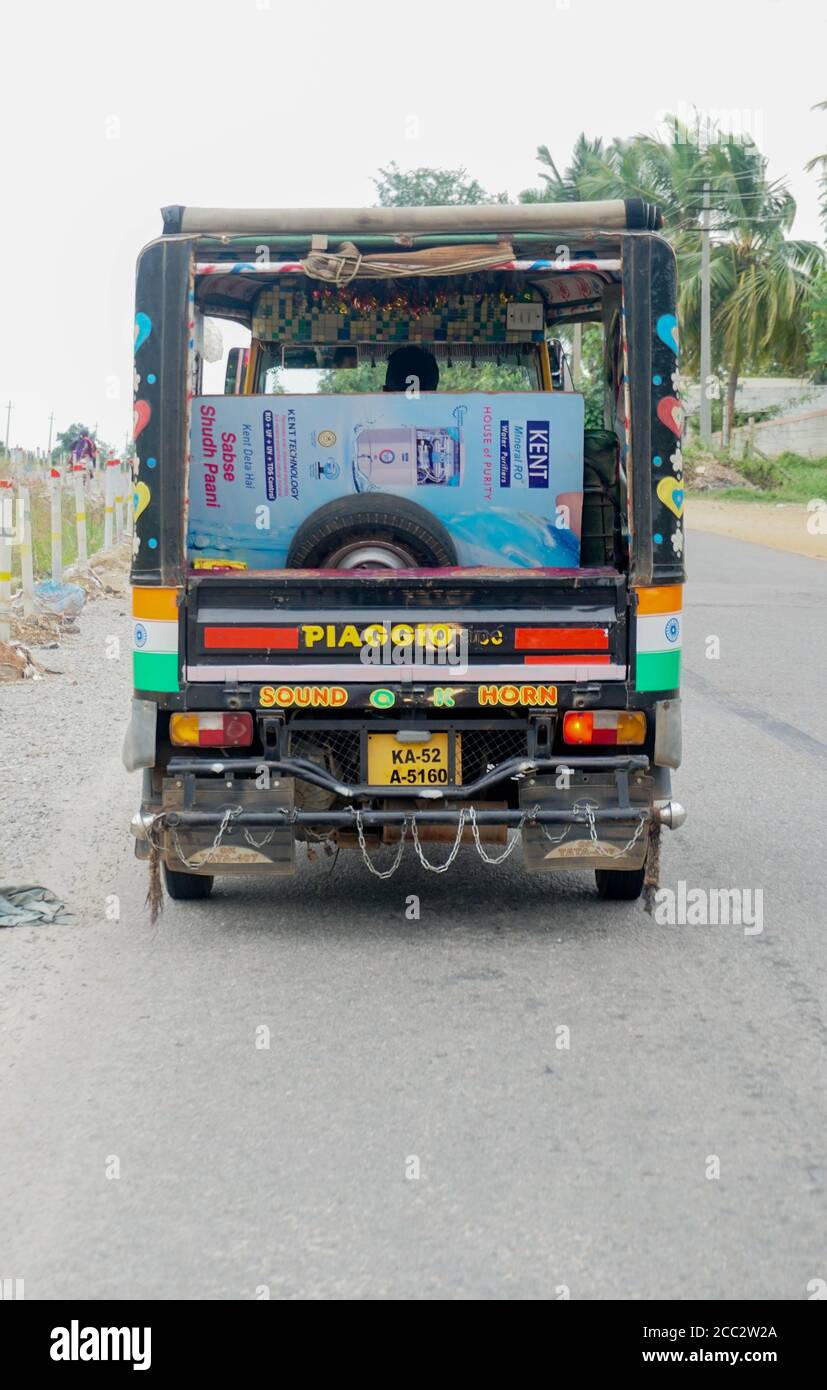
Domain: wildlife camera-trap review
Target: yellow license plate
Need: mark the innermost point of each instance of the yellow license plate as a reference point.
(392, 763)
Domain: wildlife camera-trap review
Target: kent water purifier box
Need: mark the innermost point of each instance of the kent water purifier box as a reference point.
(503, 471)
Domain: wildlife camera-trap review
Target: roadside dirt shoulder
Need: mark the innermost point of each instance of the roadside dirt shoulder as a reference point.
(784, 526)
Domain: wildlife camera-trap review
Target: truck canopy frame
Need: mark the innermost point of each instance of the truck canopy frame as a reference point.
(618, 231)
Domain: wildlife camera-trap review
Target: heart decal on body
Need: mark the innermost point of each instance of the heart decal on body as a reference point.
(143, 328)
(140, 417)
(140, 499)
(670, 493)
(670, 414)
(667, 330)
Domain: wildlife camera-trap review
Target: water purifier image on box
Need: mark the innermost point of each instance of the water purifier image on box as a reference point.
(415, 457)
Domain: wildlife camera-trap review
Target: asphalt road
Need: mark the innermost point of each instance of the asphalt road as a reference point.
(540, 1168)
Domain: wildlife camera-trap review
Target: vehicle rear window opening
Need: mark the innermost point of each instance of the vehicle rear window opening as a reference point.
(484, 335)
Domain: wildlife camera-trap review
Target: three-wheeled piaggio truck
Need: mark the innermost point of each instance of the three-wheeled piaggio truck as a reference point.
(393, 584)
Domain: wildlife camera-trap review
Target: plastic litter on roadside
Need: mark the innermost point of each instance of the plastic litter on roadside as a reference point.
(31, 903)
(67, 599)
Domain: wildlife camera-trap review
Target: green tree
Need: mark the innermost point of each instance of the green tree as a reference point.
(485, 376)
(820, 163)
(670, 174)
(592, 367)
(640, 167)
(818, 329)
(460, 376)
(572, 185)
(762, 281)
(348, 380)
(425, 187)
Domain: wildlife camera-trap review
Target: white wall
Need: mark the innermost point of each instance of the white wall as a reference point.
(804, 434)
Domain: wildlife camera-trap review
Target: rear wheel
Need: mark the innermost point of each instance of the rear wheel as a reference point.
(371, 532)
(187, 887)
(622, 885)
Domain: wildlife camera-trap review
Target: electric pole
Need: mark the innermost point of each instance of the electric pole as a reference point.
(706, 325)
(9, 409)
(51, 423)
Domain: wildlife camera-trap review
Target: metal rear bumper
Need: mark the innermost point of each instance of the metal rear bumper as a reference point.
(252, 799)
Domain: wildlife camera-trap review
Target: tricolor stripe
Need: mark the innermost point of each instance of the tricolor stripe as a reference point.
(151, 635)
(660, 598)
(658, 638)
(156, 671)
(658, 671)
(155, 658)
(155, 603)
(297, 268)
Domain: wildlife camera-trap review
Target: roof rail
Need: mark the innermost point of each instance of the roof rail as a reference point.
(616, 214)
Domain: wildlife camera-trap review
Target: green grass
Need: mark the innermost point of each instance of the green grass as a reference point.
(789, 478)
(42, 532)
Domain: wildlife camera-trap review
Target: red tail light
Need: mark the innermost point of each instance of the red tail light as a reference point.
(228, 730)
(605, 726)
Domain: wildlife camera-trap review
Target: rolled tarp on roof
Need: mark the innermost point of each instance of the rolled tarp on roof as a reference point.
(347, 263)
(614, 215)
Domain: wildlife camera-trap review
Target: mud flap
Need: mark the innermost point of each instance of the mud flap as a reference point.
(262, 849)
(561, 846)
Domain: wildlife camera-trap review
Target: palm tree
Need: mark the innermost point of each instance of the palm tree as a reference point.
(761, 280)
(818, 321)
(820, 163)
(662, 173)
(669, 174)
(568, 187)
(764, 279)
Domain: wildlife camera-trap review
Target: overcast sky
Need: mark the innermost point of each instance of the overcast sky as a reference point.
(111, 110)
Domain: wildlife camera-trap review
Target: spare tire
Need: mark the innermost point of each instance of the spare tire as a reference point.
(371, 532)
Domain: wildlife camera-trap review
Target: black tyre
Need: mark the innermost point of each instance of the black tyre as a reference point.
(622, 885)
(376, 531)
(187, 887)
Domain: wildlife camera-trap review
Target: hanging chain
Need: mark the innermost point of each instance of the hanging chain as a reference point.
(205, 856)
(328, 839)
(464, 814)
(552, 839)
(610, 852)
(499, 858)
(586, 808)
(455, 848)
(555, 839)
(379, 873)
(258, 844)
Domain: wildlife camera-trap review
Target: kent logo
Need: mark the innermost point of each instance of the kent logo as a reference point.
(537, 452)
(76, 1343)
